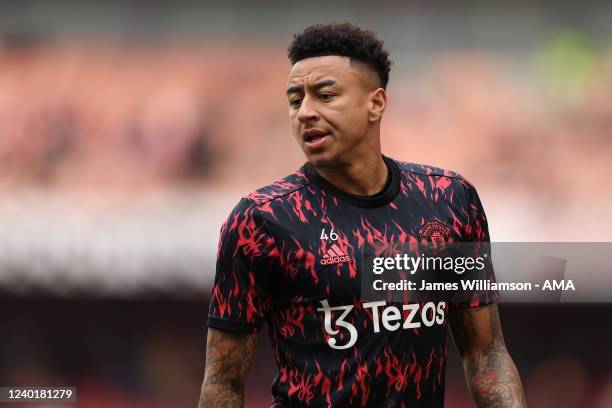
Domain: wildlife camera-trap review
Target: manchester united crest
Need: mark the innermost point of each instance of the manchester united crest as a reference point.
(435, 232)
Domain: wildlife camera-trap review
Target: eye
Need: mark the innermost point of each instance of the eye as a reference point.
(295, 102)
(326, 97)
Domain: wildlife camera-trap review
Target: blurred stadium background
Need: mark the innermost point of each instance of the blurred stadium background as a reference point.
(129, 129)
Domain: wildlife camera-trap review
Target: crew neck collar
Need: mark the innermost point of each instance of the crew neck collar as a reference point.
(383, 197)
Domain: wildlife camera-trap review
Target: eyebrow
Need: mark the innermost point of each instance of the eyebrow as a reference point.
(317, 86)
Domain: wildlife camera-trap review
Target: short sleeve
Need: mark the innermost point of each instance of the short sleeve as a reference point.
(478, 246)
(240, 297)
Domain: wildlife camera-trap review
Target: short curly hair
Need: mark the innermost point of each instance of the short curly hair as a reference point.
(343, 39)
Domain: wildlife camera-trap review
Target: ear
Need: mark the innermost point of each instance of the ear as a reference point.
(376, 104)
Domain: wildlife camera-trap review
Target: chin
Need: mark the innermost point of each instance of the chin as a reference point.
(322, 159)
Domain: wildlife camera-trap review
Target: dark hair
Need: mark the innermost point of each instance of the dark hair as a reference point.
(343, 39)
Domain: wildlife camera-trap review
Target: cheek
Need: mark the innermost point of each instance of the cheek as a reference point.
(351, 118)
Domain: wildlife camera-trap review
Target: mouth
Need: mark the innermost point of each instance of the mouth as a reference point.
(314, 137)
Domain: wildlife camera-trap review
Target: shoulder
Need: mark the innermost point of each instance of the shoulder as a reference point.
(260, 201)
(438, 174)
(426, 170)
(279, 189)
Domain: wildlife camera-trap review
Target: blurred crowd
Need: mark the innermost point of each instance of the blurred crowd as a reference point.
(79, 114)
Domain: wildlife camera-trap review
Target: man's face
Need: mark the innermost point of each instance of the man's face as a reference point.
(329, 103)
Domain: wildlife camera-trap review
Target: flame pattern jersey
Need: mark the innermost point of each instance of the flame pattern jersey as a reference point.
(278, 259)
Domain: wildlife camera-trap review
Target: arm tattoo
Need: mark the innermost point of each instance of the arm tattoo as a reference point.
(492, 377)
(228, 360)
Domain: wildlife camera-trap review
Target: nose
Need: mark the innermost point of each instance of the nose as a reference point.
(308, 111)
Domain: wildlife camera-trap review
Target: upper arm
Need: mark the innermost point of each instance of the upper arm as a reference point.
(475, 329)
(228, 359)
(474, 317)
(246, 261)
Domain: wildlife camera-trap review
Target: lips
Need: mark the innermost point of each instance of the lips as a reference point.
(311, 136)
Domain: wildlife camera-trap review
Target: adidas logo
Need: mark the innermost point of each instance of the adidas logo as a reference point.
(334, 255)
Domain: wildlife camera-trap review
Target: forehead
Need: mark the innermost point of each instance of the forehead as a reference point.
(326, 67)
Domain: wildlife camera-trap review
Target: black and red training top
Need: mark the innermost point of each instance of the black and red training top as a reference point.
(289, 246)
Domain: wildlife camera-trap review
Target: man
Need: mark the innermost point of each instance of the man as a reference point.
(290, 255)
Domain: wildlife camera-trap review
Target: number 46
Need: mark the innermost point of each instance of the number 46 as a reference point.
(332, 235)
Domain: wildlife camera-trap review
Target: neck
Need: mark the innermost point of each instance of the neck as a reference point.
(366, 176)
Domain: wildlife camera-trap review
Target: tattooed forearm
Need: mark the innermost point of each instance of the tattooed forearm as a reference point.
(228, 359)
(491, 375)
(493, 379)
